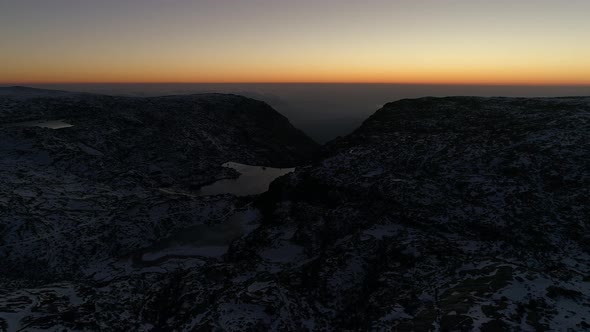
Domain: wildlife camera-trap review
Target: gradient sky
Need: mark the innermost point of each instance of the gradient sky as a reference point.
(403, 41)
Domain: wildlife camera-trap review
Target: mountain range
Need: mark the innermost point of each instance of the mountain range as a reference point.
(436, 214)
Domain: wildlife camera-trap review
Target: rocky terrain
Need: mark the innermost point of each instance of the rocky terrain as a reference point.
(450, 214)
(74, 201)
(440, 214)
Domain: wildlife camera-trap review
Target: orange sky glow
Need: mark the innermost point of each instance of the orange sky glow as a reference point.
(541, 42)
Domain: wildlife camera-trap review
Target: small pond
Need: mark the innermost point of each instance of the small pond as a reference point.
(253, 180)
(214, 240)
(203, 240)
(51, 124)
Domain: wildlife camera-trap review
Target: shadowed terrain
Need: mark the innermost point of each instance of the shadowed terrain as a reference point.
(447, 214)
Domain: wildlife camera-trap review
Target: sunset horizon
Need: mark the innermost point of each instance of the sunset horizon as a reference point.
(433, 83)
(294, 165)
(389, 42)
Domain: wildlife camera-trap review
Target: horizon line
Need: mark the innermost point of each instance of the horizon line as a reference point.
(523, 84)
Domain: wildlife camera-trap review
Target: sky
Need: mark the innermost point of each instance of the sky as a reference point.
(536, 42)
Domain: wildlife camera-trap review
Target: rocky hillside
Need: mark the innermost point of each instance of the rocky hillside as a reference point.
(438, 214)
(450, 214)
(109, 184)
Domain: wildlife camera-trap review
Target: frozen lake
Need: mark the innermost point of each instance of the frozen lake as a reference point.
(204, 240)
(51, 124)
(253, 180)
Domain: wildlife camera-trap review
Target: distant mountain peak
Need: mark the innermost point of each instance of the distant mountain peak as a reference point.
(26, 91)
